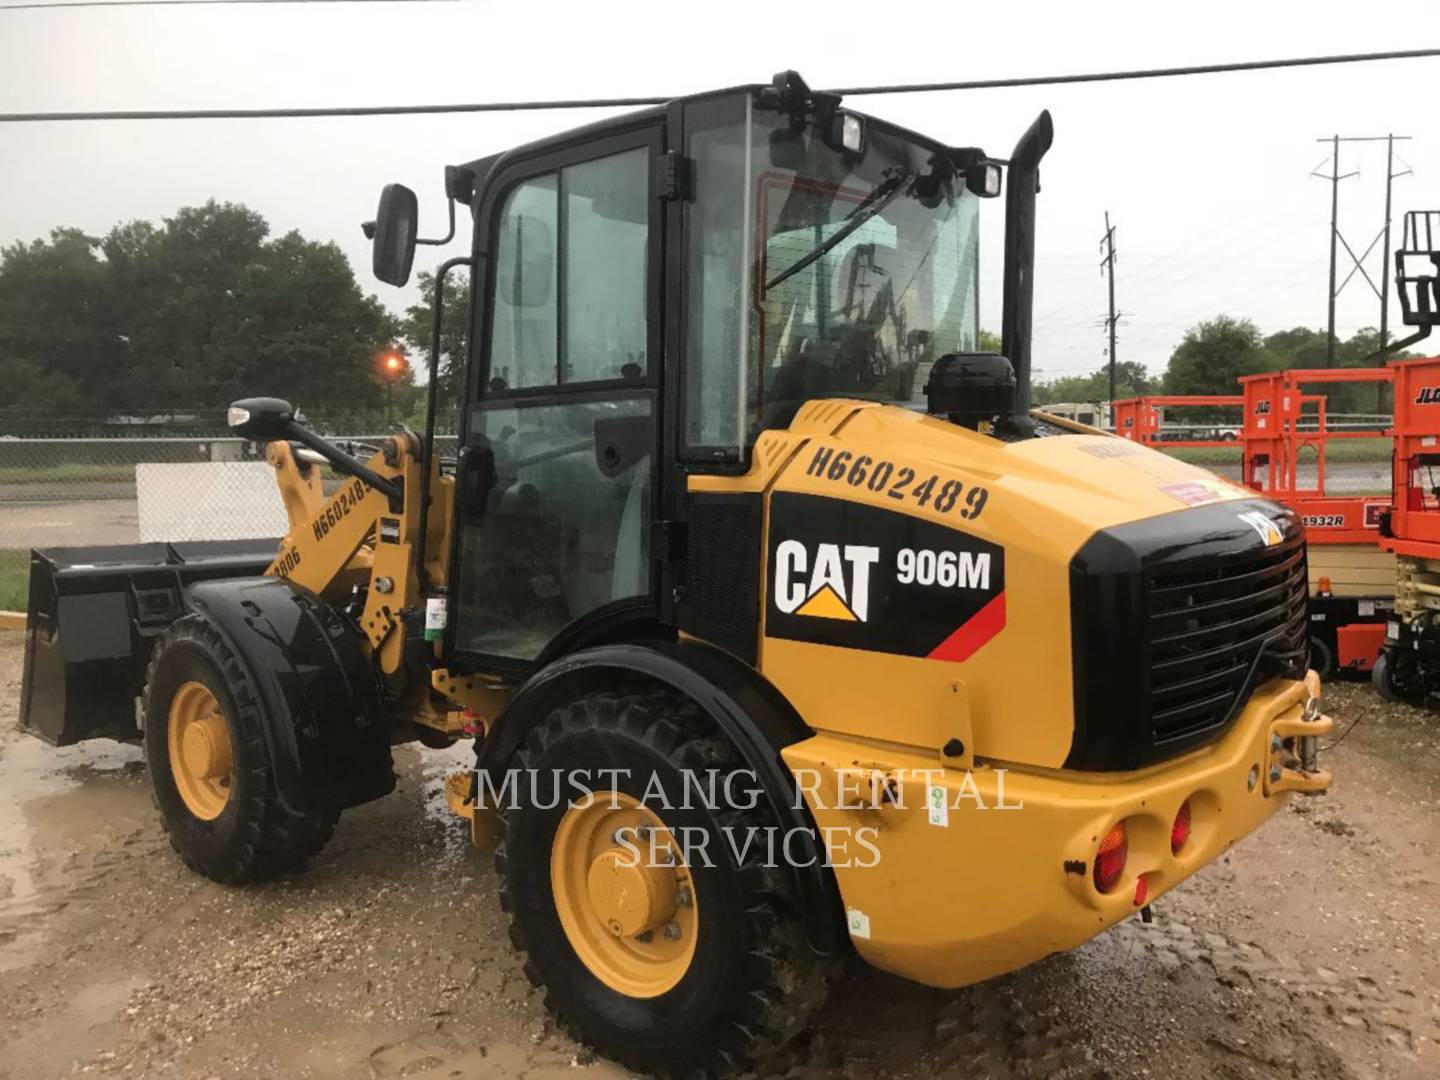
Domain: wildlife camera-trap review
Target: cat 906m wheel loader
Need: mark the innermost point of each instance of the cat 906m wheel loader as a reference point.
(780, 623)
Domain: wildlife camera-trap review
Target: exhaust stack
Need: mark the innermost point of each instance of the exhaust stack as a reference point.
(1019, 301)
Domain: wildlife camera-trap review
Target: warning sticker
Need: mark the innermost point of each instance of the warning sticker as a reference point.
(1200, 492)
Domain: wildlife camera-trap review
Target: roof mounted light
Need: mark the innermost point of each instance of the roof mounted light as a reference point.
(850, 131)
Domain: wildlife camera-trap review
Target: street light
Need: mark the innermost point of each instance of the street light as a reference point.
(393, 367)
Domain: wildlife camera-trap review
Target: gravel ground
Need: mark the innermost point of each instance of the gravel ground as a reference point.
(1313, 949)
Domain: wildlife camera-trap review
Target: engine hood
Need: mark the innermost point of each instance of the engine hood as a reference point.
(932, 563)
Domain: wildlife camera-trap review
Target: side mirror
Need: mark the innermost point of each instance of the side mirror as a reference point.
(394, 234)
(264, 419)
(983, 179)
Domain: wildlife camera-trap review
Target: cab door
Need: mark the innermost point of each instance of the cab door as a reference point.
(557, 483)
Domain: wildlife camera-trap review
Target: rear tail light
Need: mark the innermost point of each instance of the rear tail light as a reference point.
(1142, 891)
(1110, 859)
(1180, 828)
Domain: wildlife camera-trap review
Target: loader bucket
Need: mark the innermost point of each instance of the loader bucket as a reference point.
(94, 614)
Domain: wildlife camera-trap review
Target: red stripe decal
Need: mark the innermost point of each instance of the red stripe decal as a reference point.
(973, 633)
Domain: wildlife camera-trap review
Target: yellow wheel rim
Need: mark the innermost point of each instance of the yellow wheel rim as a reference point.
(200, 757)
(629, 912)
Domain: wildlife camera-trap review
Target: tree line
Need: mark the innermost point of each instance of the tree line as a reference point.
(183, 317)
(1213, 354)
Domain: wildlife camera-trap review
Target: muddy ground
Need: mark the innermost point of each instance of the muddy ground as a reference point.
(1312, 950)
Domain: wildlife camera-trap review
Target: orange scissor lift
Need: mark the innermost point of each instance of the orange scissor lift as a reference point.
(1409, 668)
(1409, 664)
(1142, 419)
(1286, 439)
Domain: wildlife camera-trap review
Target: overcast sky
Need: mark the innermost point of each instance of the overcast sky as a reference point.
(1207, 178)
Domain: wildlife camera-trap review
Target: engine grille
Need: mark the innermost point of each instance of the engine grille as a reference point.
(1213, 633)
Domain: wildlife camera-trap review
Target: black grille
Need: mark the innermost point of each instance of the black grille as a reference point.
(722, 589)
(1214, 632)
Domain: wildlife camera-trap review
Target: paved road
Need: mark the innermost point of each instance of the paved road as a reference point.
(63, 523)
(78, 491)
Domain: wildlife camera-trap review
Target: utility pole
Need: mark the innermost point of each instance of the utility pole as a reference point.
(1107, 264)
(1337, 239)
(1390, 177)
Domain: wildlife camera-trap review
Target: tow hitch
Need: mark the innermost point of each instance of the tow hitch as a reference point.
(1295, 747)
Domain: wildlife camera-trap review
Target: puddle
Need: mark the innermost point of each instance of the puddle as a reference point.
(51, 800)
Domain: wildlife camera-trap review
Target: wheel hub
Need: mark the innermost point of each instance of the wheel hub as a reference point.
(201, 760)
(623, 896)
(205, 748)
(627, 895)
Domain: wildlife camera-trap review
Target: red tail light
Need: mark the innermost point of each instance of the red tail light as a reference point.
(1142, 891)
(1110, 859)
(1180, 829)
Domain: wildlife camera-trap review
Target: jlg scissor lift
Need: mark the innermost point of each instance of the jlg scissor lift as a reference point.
(1409, 665)
(1411, 531)
(753, 585)
(1285, 437)
(1142, 419)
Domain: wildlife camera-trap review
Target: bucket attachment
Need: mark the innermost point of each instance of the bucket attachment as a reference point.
(94, 614)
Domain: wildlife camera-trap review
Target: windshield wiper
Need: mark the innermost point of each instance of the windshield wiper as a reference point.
(876, 201)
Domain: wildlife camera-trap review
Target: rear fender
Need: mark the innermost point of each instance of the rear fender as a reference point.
(744, 705)
(324, 726)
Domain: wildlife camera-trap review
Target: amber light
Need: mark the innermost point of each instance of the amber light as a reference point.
(1180, 828)
(1110, 858)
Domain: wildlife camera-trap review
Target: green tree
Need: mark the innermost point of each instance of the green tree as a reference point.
(186, 316)
(1131, 380)
(1214, 354)
(417, 330)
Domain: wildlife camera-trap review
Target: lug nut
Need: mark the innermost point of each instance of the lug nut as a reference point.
(672, 931)
(682, 897)
(644, 937)
(1274, 775)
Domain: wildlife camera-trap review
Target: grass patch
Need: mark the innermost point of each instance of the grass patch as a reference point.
(1336, 451)
(14, 579)
(66, 474)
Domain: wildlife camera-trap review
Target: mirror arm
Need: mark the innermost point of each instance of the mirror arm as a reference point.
(431, 390)
(449, 235)
(342, 461)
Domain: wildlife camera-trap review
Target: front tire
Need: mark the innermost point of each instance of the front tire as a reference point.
(699, 967)
(210, 765)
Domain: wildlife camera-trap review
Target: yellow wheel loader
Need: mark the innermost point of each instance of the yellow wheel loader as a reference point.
(781, 624)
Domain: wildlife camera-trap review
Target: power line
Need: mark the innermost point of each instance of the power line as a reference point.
(196, 3)
(1335, 176)
(632, 102)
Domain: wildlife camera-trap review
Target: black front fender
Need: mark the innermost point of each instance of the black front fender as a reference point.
(740, 701)
(324, 727)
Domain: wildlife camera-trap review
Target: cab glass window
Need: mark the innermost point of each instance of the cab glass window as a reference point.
(570, 276)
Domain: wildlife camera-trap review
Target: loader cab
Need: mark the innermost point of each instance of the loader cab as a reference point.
(656, 290)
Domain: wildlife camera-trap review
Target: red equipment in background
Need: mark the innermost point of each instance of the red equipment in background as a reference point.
(1414, 526)
(1141, 419)
(1285, 437)
(1287, 430)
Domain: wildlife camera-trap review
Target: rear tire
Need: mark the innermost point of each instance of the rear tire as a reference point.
(1322, 659)
(1396, 678)
(749, 982)
(235, 829)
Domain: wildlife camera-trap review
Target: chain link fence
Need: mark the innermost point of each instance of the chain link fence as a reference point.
(83, 491)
